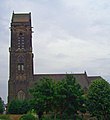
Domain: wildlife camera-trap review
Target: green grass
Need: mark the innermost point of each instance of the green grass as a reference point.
(4, 117)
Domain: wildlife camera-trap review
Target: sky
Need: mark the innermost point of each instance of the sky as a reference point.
(69, 36)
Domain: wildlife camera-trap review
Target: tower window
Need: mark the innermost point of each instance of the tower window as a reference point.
(20, 67)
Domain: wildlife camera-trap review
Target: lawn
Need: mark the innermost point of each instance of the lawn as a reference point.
(10, 117)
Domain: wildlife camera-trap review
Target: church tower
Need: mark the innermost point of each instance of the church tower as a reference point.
(21, 57)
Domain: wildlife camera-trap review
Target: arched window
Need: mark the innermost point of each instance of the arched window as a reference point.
(18, 67)
(21, 95)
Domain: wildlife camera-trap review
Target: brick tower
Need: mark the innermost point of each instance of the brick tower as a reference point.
(21, 57)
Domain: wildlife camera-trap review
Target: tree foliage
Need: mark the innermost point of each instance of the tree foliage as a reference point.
(63, 98)
(18, 107)
(1, 106)
(27, 117)
(69, 98)
(98, 99)
(43, 93)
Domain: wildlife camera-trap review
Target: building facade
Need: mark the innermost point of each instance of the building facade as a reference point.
(21, 74)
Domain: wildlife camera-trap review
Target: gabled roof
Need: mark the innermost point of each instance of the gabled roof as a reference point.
(80, 78)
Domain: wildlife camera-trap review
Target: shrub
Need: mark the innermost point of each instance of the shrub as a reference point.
(27, 117)
(18, 107)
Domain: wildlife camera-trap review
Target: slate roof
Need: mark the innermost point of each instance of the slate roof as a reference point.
(81, 78)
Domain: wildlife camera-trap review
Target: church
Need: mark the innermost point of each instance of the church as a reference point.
(21, 69)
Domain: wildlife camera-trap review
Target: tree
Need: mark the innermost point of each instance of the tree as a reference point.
(18, 107)
(69, 98)
(1, 106)
(98, 99)
(42, 94)
(64, 98)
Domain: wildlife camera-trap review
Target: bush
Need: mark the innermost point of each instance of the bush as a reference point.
(18, 107)
(27, 117)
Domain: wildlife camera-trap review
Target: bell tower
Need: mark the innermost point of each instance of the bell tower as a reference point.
(21, 57)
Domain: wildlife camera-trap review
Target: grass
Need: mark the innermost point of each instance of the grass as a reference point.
(10, 117)
(4, 117)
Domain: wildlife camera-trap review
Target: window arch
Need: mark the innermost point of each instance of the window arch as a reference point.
(21, 95)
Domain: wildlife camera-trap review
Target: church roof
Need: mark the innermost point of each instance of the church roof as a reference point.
(24, 17)
(81, 78)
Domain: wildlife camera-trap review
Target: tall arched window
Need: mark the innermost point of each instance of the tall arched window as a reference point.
(21, 95)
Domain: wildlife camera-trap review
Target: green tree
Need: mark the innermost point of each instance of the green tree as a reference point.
(63, 98)
(25, 106)
(42, 94)
(69, 98)
(1, 106)
(18, 107)
(98, 99)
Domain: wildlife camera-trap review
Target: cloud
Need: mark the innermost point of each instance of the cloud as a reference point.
(76, 52)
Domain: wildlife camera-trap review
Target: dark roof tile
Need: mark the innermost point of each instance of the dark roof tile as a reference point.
(80, 78)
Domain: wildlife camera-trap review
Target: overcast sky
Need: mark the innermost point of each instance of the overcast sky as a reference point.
(69, 36)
